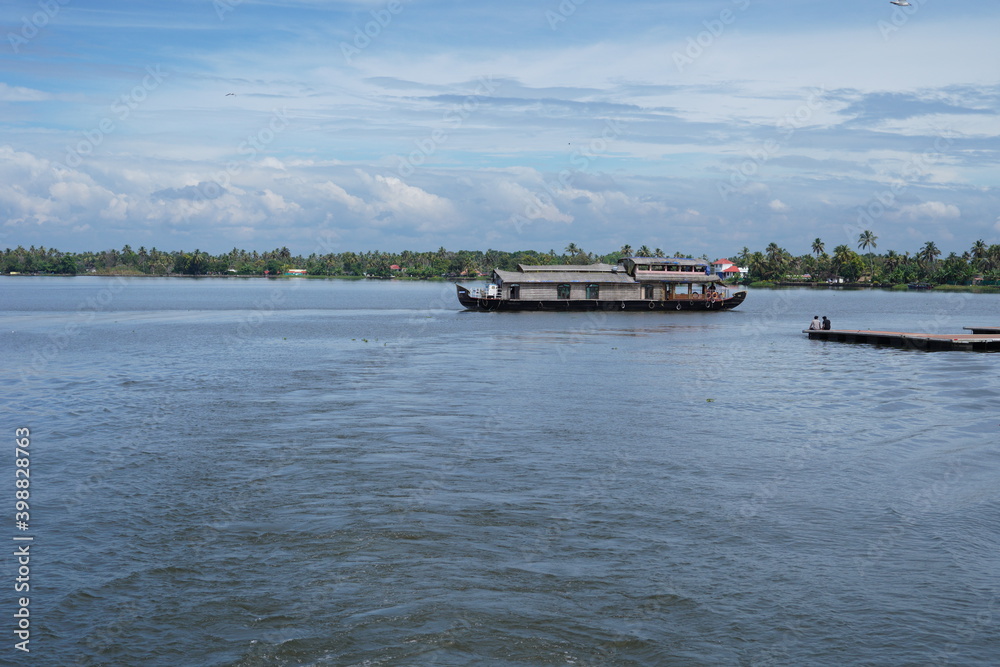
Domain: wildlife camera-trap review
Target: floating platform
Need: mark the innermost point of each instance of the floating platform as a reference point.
(976, 342)
(983, 330)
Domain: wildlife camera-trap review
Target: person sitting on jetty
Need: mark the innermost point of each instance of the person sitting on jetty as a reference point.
(826, 323)
(815, 325)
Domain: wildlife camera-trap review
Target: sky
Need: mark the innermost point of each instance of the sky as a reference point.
(695, 127)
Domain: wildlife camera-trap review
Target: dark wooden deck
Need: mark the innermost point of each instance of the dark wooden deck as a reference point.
(983, 330)
(977, 342)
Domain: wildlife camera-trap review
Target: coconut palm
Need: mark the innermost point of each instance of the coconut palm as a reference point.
(757, 263)
(644, 251)
(867, 240)
(992, 257)
(978, 253)
(841, 258)
(892, 260)
(626, 250)
(929, 252)
(742, 256)
(777, 260)
(818, 247)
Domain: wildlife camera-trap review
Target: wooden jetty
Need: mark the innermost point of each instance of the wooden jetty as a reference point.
(976, 341)
(983, 330)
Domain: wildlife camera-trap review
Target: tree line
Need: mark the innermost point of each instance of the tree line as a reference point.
(773, 263)
(980, 261)
(153, 262)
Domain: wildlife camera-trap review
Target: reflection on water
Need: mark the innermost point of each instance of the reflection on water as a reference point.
(323, 472)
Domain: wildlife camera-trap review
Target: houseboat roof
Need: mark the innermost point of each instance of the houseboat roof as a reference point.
(573, 275)
(665, 260)
(590, 268)
(610, 273)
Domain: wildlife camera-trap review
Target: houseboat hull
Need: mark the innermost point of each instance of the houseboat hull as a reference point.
(491, 304)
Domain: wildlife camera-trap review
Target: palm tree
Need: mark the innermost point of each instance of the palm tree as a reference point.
(742, 257)
(979, 250)
(992, 257)
(626, 250)
(818, 247)
(867, 240)
(757, 264)
(776, 260)
(892, 260)
(644, 251)
(929, 252)
(841, 259)
(572, 249)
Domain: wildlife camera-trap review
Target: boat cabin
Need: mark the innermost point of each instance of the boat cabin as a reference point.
(649, 278)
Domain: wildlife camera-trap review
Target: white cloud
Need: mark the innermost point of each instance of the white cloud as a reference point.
(340, 195)
(532, 203)
(778, 206)
(930, 209)
(21, 94)
(276, 203)
(272, 163)
(409, 203)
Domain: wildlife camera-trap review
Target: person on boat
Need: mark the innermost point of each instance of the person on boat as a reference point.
(815, 325)
(826, 323)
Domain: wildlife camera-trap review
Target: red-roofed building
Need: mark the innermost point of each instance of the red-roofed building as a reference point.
(725, 269)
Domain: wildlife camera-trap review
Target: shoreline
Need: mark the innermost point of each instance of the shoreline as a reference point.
(879, 286)
(987, 289)
(231, 276)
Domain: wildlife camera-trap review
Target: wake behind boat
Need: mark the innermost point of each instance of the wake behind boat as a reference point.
(635, 283)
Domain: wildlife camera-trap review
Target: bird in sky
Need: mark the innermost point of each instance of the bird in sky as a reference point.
(899, 3)
(228, 94)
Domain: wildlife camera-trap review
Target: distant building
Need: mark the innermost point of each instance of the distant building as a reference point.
(726, 269)
(295, 272)
(395, 267)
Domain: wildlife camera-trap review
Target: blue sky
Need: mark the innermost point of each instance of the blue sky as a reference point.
(699, 127)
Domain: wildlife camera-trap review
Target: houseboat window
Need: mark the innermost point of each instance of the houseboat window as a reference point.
(673, 268)
(515, 291)
(642, 267)
(592, 291)
(562, 291)
(657, 267)
(647, 291)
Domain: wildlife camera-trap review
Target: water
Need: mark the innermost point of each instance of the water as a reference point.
(251, 472)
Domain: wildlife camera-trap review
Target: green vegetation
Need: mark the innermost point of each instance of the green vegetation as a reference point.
(407, 264)
(979, 265)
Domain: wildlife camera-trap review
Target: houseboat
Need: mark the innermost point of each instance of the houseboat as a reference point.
(635, 283)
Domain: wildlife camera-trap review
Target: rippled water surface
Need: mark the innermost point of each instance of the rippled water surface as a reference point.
(299, 472)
